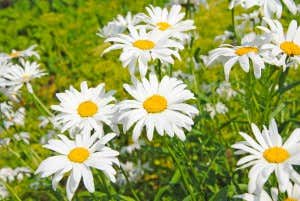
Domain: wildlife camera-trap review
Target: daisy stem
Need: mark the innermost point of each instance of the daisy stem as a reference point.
(170, 70)
(185, 180)
(41, 104)
(188, 8)
(11, 190)
(129, 184)
(158, 69)
(233, 22)
(102, 180)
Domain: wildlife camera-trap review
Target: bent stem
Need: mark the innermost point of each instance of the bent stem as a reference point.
(43, 106)
(185, 180)
(130, 186)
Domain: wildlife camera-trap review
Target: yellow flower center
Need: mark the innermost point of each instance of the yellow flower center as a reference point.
(276, 155)
(14, 54)
(87, 109)
(290, 199)
(26, 77)
(155, 104)
(290, 48)
(78, 154)
(163, 26)
(144, 44)
(245, 50)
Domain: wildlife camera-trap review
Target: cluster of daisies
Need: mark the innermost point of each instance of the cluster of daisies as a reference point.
(272, 46)
(89, 118)
(266, 153)
(93, 117)
(17, 69)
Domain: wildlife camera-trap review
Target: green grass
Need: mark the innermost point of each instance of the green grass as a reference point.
(65, 32)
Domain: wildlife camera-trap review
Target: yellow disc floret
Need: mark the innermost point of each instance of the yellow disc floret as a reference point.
(144, 44)
(87, 109)
(245, 50)
(14, 54)
(26, 77)
(78, 155)
(276, 155)
(155, 104)
(290, 199)
(163, 26)
(290, 48)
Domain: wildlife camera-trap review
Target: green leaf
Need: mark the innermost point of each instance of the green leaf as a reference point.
(288, 87)
(176, 177)
(278, 109)
(160, 192)
(125, 198)
(221, 195)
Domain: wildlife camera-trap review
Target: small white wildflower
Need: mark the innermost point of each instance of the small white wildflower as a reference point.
(206, 87)
(221, 108)
(29, 52)
(7, 174)
(3, 192)
(11, 117)
(225, 36)
(132, 147)
(22, 136)
(4, 141)
(225, 90)
(210, 109)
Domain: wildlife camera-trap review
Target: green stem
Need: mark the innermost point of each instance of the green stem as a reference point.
(18, 156)
(129, 184)
(43, 106)
(182, 149)
(185, 180)
(158, 70)
(171, 70)
(102, 180)
(233, 22)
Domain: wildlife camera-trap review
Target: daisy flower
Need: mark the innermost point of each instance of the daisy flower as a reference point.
(293, 194)
(285, 47)
(262, 196)
(17, 75)
(244, 3)
(249, 50)
(78, 156)
(87, 109)
(267, 155)
(10, 92)
(270, 8)
(248, 20)
(118, 25)
(194, 3)
(159, 106)
(128, 20)
(29, 52)
(11, 117)
(171, 21)
(141, 47)
(225, 36)
(111, 29)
